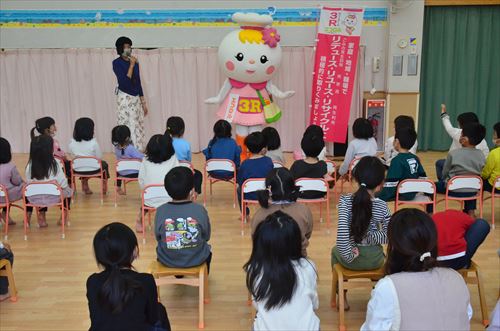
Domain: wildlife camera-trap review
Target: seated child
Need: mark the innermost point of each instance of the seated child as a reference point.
(282, 282)
(281, 194)
(416, 294)
(459, 237)
(455, 135)
(9, 178)
(160, 159)
(42, 167)
(222, 146)
(47, 126)
(467, 160)
(363, 220)
(84, 144)
(119, 297)
(124, 149)
(176, 128)
(314, 130)
(182, 227)
(311, 166)
(492, 168)
(390, 152)
(273, 144)
(5, 253)
(404, 165)
(363, 144)
(256, 166)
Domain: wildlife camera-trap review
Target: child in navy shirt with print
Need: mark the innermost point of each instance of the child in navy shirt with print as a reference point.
(124, 149)
(222, 146)
(257, 166)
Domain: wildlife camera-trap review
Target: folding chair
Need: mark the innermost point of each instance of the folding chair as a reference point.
(418, 186)
(125, 165)
(353, 164)
(149, 193)
(219, 164)
(320, 185)
(7, 272)
(186, 164)
(477, 279)
(87, 164)
(278, 164)
(331, 170)
(48, 188)
(493, 196)
(470, 182)
(251, 185)
(7, 204)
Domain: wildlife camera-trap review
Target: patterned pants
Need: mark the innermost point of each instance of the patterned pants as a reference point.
(131, 114)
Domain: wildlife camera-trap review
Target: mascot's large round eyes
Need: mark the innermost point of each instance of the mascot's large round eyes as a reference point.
(239, 57)
(263, 59)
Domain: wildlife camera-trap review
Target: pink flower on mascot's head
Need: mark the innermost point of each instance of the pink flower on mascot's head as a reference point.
(271, 37)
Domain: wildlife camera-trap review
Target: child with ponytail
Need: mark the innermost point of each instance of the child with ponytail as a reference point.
(416, 294)
(119, 297)
(363, 220)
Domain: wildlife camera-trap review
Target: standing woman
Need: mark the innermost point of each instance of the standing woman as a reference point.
(130, 98)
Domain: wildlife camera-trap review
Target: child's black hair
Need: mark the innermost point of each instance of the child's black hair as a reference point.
(115, 246)
(368, 173)
(159, 148)
(411, 233)
(312, 144)
(42, 125)
(280, 186)
(496, 128)
(255, 142)
(5, 152)
(466, 118)
(84, 129)
(362, 129)
(475, 132)
(120, 136)
(271, 276)
(272, 137)
(406, 137)
(404, 121)
(175, 126)
(179, 182)
(315, 130)
(42, 158)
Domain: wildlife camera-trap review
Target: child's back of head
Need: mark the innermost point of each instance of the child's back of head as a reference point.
(222, 129)
(120, 136)
(271, 276)
(5, 152)
(369, 173)
(115, 248)
(404, 121)
(362, 129)
(175, 126)
(255, 142)
(466, 118)
(315, 130)
(474, 132)
(42, 126)
(179, 183)
(84, 129)
(312, 144)
(280, 186)
(272, 137)
(159, 148)
(406, 137)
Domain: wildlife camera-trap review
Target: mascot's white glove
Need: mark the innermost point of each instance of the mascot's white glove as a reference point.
(226, 87)
(271, 88)
(213, 100)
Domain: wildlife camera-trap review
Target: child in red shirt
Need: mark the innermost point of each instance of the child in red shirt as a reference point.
(459, 236)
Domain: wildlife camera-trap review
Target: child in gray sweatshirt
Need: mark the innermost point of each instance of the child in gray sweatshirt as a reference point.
(182, 227)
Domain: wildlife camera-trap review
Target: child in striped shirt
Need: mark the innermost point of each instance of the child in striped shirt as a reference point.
(363, 220)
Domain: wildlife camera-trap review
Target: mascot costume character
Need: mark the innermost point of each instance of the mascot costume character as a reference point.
(249, 57)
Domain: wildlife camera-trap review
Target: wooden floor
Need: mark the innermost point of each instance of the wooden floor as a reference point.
(50, 272)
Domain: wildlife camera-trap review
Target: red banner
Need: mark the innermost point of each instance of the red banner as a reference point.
(335, 65)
